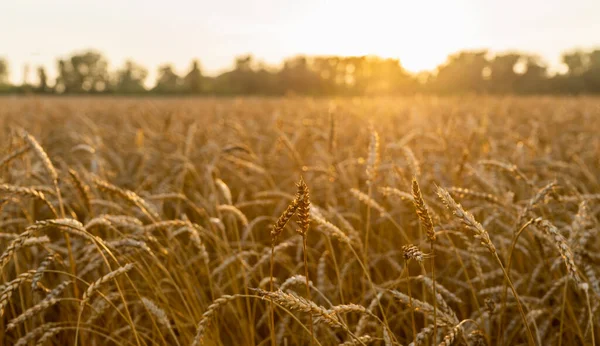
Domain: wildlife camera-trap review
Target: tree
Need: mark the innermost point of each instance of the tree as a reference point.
(502, 72)
(193, 80)
(326, 68)
(130, 79)
(3, 71)
(84, 72)
(168, 82)
(575, 62)
(592, 73)
(243, 79)
(244, 63)
(534, 77)
(463, 72)
(64, 80)
(297, 77)
(43, 80)
(572, 81)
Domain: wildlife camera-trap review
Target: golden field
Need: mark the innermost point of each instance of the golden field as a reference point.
(269, 221)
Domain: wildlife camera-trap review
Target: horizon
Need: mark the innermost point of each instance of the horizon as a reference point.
(215, 33)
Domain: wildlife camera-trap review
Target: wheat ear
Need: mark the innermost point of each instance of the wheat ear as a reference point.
(427, 223)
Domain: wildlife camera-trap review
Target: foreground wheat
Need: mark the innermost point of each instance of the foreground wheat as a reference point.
(176, 221)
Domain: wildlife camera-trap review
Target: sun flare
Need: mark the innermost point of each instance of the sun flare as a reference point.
(410, 31)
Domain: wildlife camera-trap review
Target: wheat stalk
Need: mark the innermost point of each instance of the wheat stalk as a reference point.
(207, 316)
(373, 157)
(93, 287)
(6, 290)
(51, 299)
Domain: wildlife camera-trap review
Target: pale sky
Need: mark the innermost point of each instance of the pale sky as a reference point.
(421, 33)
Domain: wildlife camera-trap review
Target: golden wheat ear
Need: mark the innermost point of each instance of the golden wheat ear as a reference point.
(283, 219)
(422, 211)
(303, 211)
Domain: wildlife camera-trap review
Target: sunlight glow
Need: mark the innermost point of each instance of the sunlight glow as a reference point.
(413, 31)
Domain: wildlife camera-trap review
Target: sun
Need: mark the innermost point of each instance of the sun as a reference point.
(419, 33)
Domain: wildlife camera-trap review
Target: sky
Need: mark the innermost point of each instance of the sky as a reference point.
(421, 33)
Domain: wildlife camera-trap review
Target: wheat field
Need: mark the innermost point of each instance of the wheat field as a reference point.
(257, 221)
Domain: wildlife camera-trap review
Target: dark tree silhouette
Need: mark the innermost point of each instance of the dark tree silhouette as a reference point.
(193, 81)
(534, 77)
(296, 77)
(130, 79)
(42, 80)
(84, 72)
(168, 82)
(241, 80)
(463, 72)
(503, 77)
(592, 75)
(575, 62)
(3, 71)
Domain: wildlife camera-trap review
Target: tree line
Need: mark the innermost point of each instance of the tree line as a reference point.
(88, 72)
